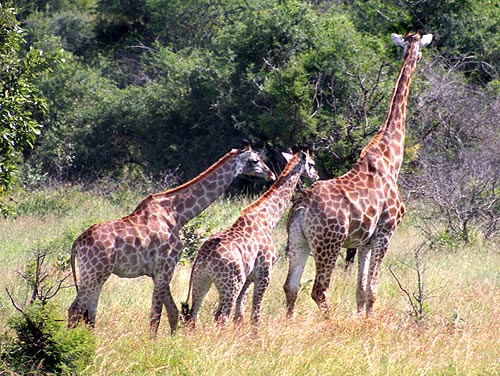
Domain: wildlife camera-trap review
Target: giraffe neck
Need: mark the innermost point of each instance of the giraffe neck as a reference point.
(388, 143)
(190, 199)
(272, 204)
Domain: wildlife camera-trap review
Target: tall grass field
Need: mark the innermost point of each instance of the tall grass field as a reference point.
(459, 333)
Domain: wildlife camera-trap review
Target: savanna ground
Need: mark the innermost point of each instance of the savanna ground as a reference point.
(459, 334)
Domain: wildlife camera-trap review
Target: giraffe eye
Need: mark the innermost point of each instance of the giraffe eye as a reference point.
(255, 161)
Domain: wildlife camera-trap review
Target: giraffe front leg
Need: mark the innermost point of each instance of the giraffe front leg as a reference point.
(364, 256)
(172, 310)
(298, 252)
(156, 308)
(373, 275)
(162, 296)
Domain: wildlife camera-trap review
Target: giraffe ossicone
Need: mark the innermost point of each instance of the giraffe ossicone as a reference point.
(358, 210)
(244, 253)
(146, 242)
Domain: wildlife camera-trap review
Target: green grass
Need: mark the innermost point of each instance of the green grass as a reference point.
(459, 336)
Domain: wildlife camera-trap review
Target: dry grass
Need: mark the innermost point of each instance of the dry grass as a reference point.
(459, 336)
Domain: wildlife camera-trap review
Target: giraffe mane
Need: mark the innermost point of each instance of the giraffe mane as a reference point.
(195, 180)
(380, 132)
(373, 141)
(273, 187)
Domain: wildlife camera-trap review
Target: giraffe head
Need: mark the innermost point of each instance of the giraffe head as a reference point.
(306, 163)
(412, 41)
(253, 164)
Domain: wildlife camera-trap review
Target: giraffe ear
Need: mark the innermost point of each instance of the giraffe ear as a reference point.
(246, 145)
(287, 156)
(398, 40)
(425, 40)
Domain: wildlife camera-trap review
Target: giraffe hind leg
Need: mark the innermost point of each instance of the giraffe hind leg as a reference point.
(324, 270)
(349, 258)
(201, 283)
(258, 294)
(76, 314)
(228, 294)
(241, 302)
(84, 307)
(296, 267)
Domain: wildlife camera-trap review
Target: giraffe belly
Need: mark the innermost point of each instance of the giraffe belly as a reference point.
(134, 264)
(360, 234)
(351, 242)
(132, 271)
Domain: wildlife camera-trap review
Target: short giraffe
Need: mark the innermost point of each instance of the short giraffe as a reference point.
(244, 253)
(360, 209)
(146, 242)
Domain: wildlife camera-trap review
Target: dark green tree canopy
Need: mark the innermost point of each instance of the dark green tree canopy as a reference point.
(160, 85)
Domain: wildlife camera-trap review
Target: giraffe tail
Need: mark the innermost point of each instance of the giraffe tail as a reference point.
(185, 310)
(73, 268)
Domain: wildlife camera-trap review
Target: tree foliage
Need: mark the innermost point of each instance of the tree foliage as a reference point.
(159, 85)
(21, 105)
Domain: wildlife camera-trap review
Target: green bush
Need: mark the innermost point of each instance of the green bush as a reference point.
(42, 344)
(193, 234)
(36, 340)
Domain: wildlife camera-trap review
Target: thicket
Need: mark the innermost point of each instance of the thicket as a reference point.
(38, 342)
(148, 88)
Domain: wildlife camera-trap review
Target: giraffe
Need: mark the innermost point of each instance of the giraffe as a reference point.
(244, 253)
(146, 242)
(360, 209)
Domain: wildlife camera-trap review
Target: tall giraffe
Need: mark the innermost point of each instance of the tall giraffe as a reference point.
(244, 253)
(146, 242)
(360, 209)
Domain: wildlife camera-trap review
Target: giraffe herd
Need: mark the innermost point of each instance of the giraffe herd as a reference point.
(359, 210)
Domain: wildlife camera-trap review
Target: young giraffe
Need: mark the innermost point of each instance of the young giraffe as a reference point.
(146, 242)
(245, 253)
(360, 209)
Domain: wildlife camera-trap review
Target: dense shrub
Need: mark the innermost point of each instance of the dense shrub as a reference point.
(41, 343)
(38, 341)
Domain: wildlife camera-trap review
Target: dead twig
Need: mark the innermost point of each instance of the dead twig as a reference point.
(418, 298)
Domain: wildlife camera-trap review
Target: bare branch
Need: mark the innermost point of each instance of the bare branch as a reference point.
(410, 300)
(13, 302)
